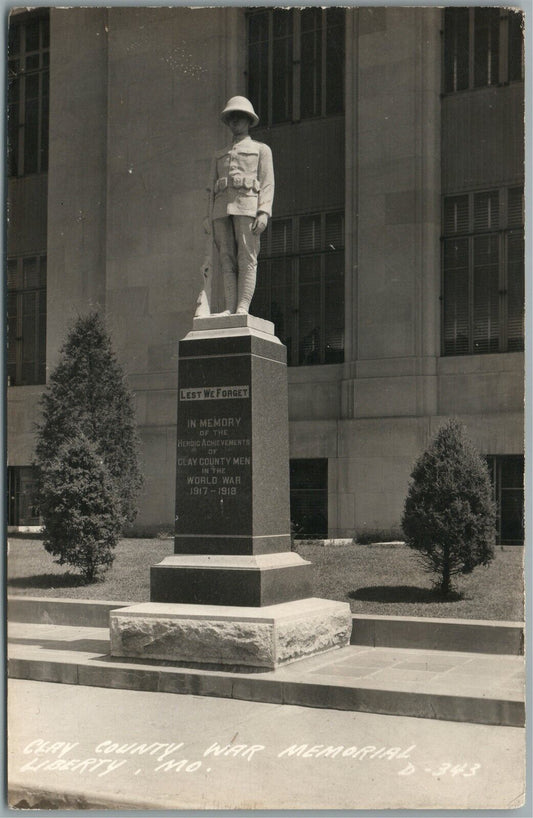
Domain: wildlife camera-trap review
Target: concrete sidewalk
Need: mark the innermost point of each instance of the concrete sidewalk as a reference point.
(454, 686)
(78, 747)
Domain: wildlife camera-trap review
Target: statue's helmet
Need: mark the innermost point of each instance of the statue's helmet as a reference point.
(243, 106)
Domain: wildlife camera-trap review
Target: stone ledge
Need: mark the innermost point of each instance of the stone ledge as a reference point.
(53, 611)
(433, 633)
(223, 635)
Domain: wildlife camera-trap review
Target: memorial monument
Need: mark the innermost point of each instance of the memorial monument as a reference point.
(233, 593)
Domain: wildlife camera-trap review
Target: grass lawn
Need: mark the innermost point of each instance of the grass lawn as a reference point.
(388, 580)
(374, 579)
(31, 571)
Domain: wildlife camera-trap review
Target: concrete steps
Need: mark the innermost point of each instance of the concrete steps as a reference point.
(425, 633)
(450, 685)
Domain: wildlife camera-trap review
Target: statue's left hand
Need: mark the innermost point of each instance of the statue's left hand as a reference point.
(259, 224)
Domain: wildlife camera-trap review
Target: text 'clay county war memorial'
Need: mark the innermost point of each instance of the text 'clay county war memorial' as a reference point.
(233, 593)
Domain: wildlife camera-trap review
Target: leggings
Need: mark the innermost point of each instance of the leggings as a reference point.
(238, 248)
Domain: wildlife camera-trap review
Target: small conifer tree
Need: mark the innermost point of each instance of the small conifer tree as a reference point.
(449, 515)
(86, 396)
(81, 508)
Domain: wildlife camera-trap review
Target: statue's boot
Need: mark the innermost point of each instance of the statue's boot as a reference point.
(247, 281)
(230, 292)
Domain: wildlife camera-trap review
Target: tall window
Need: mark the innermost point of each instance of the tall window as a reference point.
(28, 82)
(482, 46)
(26, 307)
(309, 497)
(483, 272)
(300, 286)
(507, 475)
(296, 63)
(22, 496)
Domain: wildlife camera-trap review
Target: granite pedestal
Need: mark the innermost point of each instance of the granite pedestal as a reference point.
(232, 538)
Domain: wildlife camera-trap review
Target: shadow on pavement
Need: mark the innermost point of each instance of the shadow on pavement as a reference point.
(402, 593)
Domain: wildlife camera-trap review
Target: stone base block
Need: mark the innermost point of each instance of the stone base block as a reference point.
(263, 638)
(231, 579)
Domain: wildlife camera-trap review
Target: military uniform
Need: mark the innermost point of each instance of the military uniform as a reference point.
(241, 186)
(242, 180)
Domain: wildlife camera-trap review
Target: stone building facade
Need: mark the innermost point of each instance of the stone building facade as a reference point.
(393, 265)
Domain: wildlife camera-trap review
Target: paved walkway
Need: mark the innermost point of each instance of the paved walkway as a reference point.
(74, 746)
(456, 686)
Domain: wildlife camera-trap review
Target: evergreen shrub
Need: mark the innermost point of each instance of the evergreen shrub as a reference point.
(81, 507)
(87, 410)
(449, 515)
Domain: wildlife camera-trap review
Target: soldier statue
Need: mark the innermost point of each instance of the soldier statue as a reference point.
(240, 194)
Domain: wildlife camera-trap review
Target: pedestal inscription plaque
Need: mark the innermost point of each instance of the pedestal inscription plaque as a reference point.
(214, 460)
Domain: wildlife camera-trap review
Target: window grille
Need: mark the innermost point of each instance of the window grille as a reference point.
(482, 47)
(296, 63)
(483, 272)
(300, 286)
(26, 315)
(28, 93)
(507, 476)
